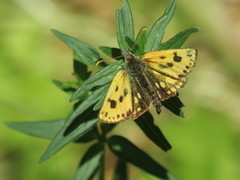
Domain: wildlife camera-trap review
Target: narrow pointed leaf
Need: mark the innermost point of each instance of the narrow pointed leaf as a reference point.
(127, 151)
(79, 122)
(171, 177)
(102, 77)
(121, 170)
(89, 163)
(99, 104)
(175, 105)
(158, 29)
(140, 41)
(145, 122)
(89, 136)
(65, 135)
(125, 27)
(111, 52)
(80, 69)
(90, 101)
(42, 129)
(87, 54)
(68, 87)
(178, 40)
(133, 46)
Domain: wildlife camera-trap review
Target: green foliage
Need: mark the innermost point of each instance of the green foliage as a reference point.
(125, 27)
(127, 151)
(88, 92)
(121, 170)
(89, 163)
(156, 33)
(145, 122)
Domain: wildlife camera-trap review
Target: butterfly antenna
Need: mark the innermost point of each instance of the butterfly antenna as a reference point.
(119, 57)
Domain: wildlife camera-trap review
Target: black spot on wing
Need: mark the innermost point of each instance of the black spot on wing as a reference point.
(170, 64)
(121, 99)
(181, 75)
(113, 103)
(116, 89)
(106, 114)
(125, 92)
(177, 58)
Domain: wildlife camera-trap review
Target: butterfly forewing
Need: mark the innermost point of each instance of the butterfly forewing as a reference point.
(170, 68)
(117, 105)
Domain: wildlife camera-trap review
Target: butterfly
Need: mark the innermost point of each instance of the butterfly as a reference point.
(144, 80)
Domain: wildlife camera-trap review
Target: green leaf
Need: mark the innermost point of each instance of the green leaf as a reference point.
(178, 40)
(79, 122)
(89, 136)
(128, 152)
(80, 69)
(69, 133)
(171, 177)
(132, 44)
(174, 104)
(42, 129)
(91, 100)
(146, 123)
(87, 54)
(99, 104)
(102, 77)
(106, 128)
(68, 87)
(125, 27)
(89, 163)
(140, 41)
(158, 29)
(121, 171)
(111, 52)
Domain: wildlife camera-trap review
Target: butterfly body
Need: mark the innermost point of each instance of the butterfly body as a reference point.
(144, 80)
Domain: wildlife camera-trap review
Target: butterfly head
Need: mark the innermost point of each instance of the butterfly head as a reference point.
(128, 56)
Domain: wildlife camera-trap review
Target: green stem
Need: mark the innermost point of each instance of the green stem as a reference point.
(101, 136)
(102, 167)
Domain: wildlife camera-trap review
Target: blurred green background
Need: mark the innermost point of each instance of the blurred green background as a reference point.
(206, 143)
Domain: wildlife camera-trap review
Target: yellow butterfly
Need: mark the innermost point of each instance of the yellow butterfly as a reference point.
(143, 80)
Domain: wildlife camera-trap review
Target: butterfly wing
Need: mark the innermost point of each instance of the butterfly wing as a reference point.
(117, 105)
(122, 101)
(170, 68)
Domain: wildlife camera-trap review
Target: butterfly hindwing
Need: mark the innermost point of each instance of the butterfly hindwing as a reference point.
(117, 105)
(170, 68)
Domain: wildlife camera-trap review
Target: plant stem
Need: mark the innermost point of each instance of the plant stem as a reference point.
(102, 167)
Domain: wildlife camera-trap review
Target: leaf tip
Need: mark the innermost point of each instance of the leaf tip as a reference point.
(198, 29)
(45, 156)
(54, 31)
(181, 114)
(8, 124)
(42, 159)
(72, 98)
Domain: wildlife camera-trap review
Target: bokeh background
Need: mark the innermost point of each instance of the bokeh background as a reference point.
(206, 143)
